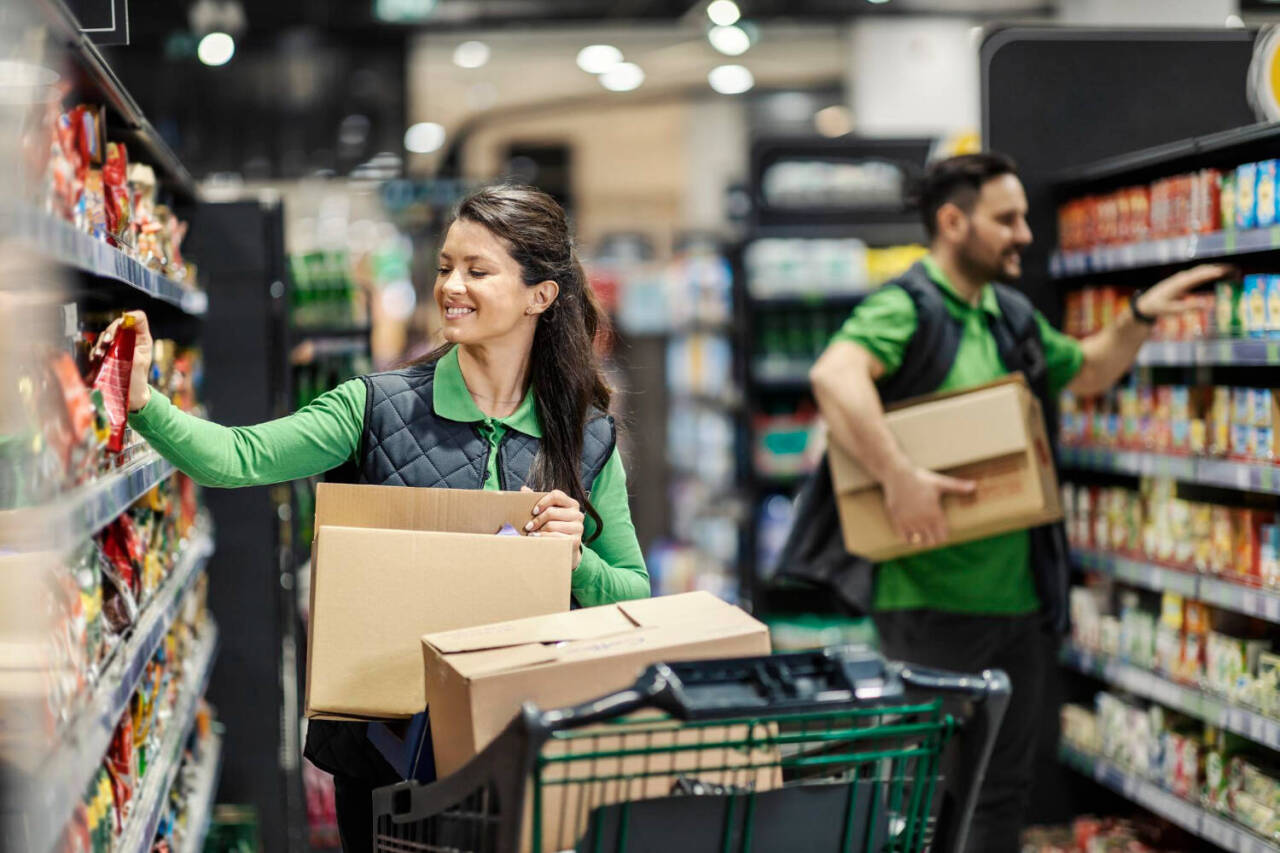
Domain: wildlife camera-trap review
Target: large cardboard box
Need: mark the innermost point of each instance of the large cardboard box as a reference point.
(477, 678)
(392, 563)
(993, 434)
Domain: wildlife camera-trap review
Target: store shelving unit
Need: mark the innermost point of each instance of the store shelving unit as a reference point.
(1140, 264)
(58, 241)
(1259, 477)
(1210, 353)
(1200, 822)
(151, 801)
(105, 276)
(1221, 592)
(78, 752)
(206, 787)
(773, 383)
(1213, 709)
(76, 516)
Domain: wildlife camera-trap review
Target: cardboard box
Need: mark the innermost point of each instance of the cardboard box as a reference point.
(478, 678)
(392, 563)
(993, 434)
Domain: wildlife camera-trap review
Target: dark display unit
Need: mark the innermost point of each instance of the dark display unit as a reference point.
(1088, 111)
(784, 319)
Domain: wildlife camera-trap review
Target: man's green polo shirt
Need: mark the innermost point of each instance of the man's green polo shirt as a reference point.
(988, 575)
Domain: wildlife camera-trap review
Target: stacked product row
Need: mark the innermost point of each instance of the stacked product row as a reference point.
(1249, 308)
(1200, 202)
(1239, 423)
(1153, 524)
(1088, 834)
(786, 266)
(73, 428)
(1222, 653)
(86, 180)
(325, 292)
(1196, 762)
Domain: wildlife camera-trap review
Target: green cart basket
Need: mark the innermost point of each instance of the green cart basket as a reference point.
(832, 750)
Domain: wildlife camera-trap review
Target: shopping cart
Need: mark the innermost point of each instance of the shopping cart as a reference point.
(816, 751)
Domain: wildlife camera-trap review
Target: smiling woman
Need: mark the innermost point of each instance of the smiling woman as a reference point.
(513, 400)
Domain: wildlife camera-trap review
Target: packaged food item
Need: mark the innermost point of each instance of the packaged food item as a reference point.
(90, 128)
(1246, 195)
(112, 379)
(1202, 536)
(1246, 523)
(1192, 667)
(1254, 305)
(1226, 309)
(119, 207)
(91, 209)
(1227, 196)
(1265, 194)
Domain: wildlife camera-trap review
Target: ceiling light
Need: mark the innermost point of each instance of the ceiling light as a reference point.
(598, 58)
(424, 137)
(833, 121)
(731, 41)
(731, 79)
(471, 54)
(878, 2)
(216, 49)
(723, 13)
(622, 77)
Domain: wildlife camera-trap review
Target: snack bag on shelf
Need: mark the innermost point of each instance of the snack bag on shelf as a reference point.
(1253, 305)
(122, 767)
(112, 379)
(1226, 305)
(91, 210)
(1227, 201)
(146, 228)
(119, 208)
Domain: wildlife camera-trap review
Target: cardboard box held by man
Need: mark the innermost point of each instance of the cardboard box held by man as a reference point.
(993, 435)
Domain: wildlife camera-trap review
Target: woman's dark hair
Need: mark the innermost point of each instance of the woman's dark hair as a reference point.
(958, 180)
(564, 371)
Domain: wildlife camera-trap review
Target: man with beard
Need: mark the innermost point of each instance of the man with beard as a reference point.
(997, 602)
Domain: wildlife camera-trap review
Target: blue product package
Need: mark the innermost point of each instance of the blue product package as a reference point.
(1253, 305)
(1262, 408)
(1246, 195)
(1265, 194)
(1273, 304)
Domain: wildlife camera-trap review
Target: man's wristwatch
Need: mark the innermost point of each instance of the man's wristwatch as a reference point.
(1138, 314)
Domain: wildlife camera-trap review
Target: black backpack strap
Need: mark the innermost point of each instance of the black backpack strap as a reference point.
(933, 346)
(1018, 339)
(1021, 349)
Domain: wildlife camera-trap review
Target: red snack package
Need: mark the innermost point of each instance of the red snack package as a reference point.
(112, 380)
(116, 187)
(120, 765)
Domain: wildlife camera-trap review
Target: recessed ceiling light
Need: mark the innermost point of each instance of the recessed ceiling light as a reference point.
(731, 79)
(424, 137)
(471, 54)
(723, 13)
(731, 41)
(622, 77)
(216, 49)
(598, 58)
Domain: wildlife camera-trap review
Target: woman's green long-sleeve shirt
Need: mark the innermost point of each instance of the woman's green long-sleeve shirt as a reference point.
(326, 433)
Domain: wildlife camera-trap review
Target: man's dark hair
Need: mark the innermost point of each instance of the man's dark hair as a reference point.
(958, 180)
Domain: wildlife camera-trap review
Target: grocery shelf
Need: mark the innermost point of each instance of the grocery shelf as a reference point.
(101, 83)
(84, 740)
(206, 788)
(1259, 603)
(1146, 575)
(1211, 708)
(1222, 473)
(1210, 353)
(151, 802)
(74, 517)
(1200, 822)
(1158, 253)
(1227, 148)
(61, 242)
